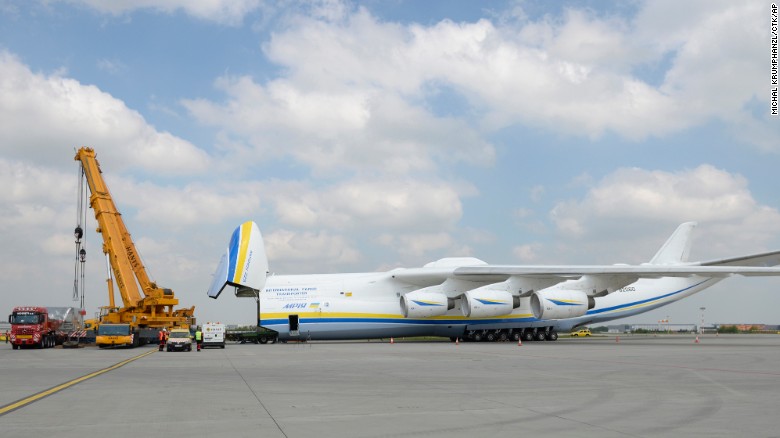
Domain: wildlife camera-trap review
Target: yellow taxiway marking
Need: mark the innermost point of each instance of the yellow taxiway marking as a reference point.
(26, 401)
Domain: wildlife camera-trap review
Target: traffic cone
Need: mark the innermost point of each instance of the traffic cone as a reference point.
(697, 340)
(617, 339)
(392, 341)
(520, 341)
(456, 341)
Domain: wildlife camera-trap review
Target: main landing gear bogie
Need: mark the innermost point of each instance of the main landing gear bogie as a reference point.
(538, 334)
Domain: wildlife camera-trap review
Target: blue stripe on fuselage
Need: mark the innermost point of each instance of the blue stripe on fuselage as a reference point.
(622, 306)
(269, 322)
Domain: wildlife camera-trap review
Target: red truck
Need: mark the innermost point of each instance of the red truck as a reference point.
(43, 327)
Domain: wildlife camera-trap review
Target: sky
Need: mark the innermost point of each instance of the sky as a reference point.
(364, 136)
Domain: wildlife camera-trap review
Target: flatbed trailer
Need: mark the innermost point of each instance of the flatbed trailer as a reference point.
(251, 336)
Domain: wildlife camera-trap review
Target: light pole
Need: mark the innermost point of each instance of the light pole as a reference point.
(701, 327)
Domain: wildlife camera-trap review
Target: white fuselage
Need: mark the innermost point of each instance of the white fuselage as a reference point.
(367, 305)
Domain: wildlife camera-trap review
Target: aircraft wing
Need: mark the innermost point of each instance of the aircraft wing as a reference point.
(597, 278)
(638, 271)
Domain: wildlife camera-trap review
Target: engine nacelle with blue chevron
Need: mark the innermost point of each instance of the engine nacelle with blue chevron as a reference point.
(560, 304)
(484, 303)
(422, 304)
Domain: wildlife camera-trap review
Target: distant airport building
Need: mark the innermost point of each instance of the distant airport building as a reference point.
(751, 327)
(671, 328)
(689, 328)
(619, 328)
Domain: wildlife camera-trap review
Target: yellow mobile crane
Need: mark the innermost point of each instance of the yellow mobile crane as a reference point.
(146, 308)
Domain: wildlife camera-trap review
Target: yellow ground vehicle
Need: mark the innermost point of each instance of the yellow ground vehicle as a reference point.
(581, 332)
(145, 306)
(115, 335)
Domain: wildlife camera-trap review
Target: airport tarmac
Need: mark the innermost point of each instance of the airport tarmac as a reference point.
(666, 386)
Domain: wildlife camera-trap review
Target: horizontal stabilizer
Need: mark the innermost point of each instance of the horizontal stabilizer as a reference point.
(244, 264)
(763, 259)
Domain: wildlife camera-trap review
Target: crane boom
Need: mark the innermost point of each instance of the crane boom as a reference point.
(117, 243)
(145, 305)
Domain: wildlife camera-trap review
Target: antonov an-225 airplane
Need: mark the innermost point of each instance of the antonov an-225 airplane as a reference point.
(467, 298)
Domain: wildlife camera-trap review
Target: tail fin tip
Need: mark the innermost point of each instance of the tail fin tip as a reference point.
(677, 248)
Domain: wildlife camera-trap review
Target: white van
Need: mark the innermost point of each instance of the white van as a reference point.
(213, 335)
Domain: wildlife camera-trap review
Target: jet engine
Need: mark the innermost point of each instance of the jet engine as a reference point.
(483, 303)
(419, 304)
(560, 304)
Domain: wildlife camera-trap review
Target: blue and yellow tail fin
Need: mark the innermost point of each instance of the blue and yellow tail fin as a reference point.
(244, 264)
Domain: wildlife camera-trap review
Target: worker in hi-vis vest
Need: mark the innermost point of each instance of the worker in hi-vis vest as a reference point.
(199, 337)
(162, 338)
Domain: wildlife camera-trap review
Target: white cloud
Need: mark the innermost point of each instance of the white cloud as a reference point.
(53, 115)
(537, 192)
(36, 221)
(361, 204)
(583, 40)
(230, 12)
(110, 66)
(425, 246)
(59, 244)
(522, 213)
(640, 204)
(704, 193)
(420, 244)
(38, 214)
(526, 253)
(24, 182)
(332, 130)
(358, 95)
(715, 70)
(555, 84)
(193, 204)
(575, 75)
(356, 52)
(285, 247)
